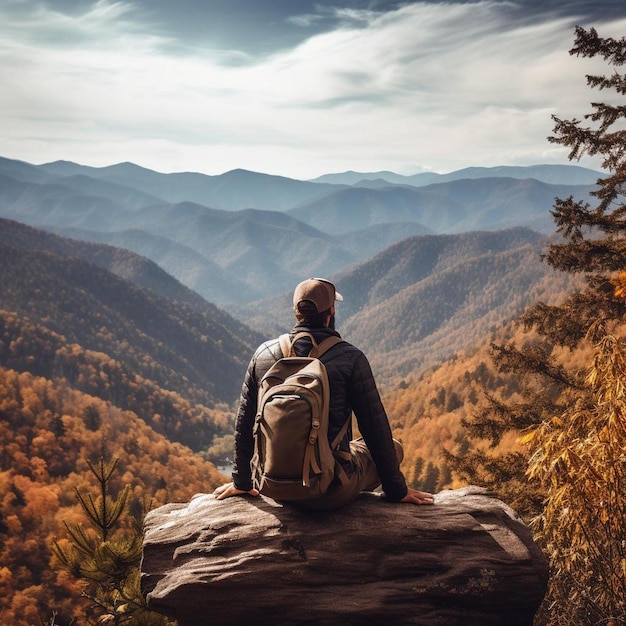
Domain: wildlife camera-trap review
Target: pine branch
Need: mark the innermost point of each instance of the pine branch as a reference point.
(589, 44)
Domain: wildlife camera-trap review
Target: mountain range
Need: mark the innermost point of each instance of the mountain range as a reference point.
(240, 237)
(552, 174)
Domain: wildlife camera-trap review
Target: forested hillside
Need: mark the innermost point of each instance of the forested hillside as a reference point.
(101, 353)
(49, 431)
(430, 412)
(182, 344)
(137, 269)
(451, 307)
(421, 300)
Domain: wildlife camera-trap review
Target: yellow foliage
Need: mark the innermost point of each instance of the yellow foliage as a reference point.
(580, 460)
(619, 282)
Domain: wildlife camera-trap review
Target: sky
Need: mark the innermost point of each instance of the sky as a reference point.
(295, 88)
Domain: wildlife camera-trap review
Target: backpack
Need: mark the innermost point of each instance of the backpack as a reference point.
(293, 459)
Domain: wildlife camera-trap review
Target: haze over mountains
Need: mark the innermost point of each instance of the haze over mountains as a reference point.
(428, 263)
(240, 237)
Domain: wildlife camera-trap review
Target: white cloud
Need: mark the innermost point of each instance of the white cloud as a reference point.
(441, 85)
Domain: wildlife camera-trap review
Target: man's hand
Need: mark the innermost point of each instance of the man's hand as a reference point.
(418, 497)
(228, 490)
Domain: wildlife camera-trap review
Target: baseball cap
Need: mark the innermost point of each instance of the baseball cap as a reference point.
(317, 290)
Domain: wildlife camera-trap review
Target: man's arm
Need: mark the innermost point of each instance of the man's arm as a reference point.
(244, 426)
(244, 442)
(264, 356)
(374, 426)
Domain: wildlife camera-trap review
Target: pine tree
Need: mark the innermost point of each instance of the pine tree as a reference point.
(571, 479)
(592, 243)
(105, 556)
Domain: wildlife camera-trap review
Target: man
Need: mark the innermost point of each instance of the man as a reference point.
(374, 459)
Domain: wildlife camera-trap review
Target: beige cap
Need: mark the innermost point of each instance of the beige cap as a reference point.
(317, 290)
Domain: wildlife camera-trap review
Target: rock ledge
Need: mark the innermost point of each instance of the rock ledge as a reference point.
(467, 561)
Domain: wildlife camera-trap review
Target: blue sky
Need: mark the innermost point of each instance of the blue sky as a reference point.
(293, 87)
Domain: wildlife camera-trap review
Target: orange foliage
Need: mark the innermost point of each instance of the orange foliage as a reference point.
(426, 410)
(45, 441)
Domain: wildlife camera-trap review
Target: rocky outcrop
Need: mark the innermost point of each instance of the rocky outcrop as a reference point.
(467, 560)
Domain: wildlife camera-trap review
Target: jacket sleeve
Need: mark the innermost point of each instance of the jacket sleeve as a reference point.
(374, 426)
(244, 443)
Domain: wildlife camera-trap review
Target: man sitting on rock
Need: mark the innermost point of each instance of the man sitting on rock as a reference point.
(367, 462)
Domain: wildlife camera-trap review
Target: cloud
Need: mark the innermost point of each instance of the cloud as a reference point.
(441, 85)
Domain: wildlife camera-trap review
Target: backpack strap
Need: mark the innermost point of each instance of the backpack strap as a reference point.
(327, 344)
(344, 429)
(286, 344)
(341, 454)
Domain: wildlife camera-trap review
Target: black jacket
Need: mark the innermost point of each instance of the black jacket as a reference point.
(352, 389)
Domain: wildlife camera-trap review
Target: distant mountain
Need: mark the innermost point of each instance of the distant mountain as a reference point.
(415, 259)
(363, 178)
(227, 256)
(55, 204)
(358, 207)
(421, 300)
(113, 302)
(255, 250)
(191, 268)
(128, 197)
(552, 174)
(124, 263)
(24, 172)
(242, 189)
(234, 190)
(231, 286)
(452, 207)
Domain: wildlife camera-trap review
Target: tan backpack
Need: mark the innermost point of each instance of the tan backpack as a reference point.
(293, 459)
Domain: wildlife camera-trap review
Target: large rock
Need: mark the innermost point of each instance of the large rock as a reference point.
(466, 560)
